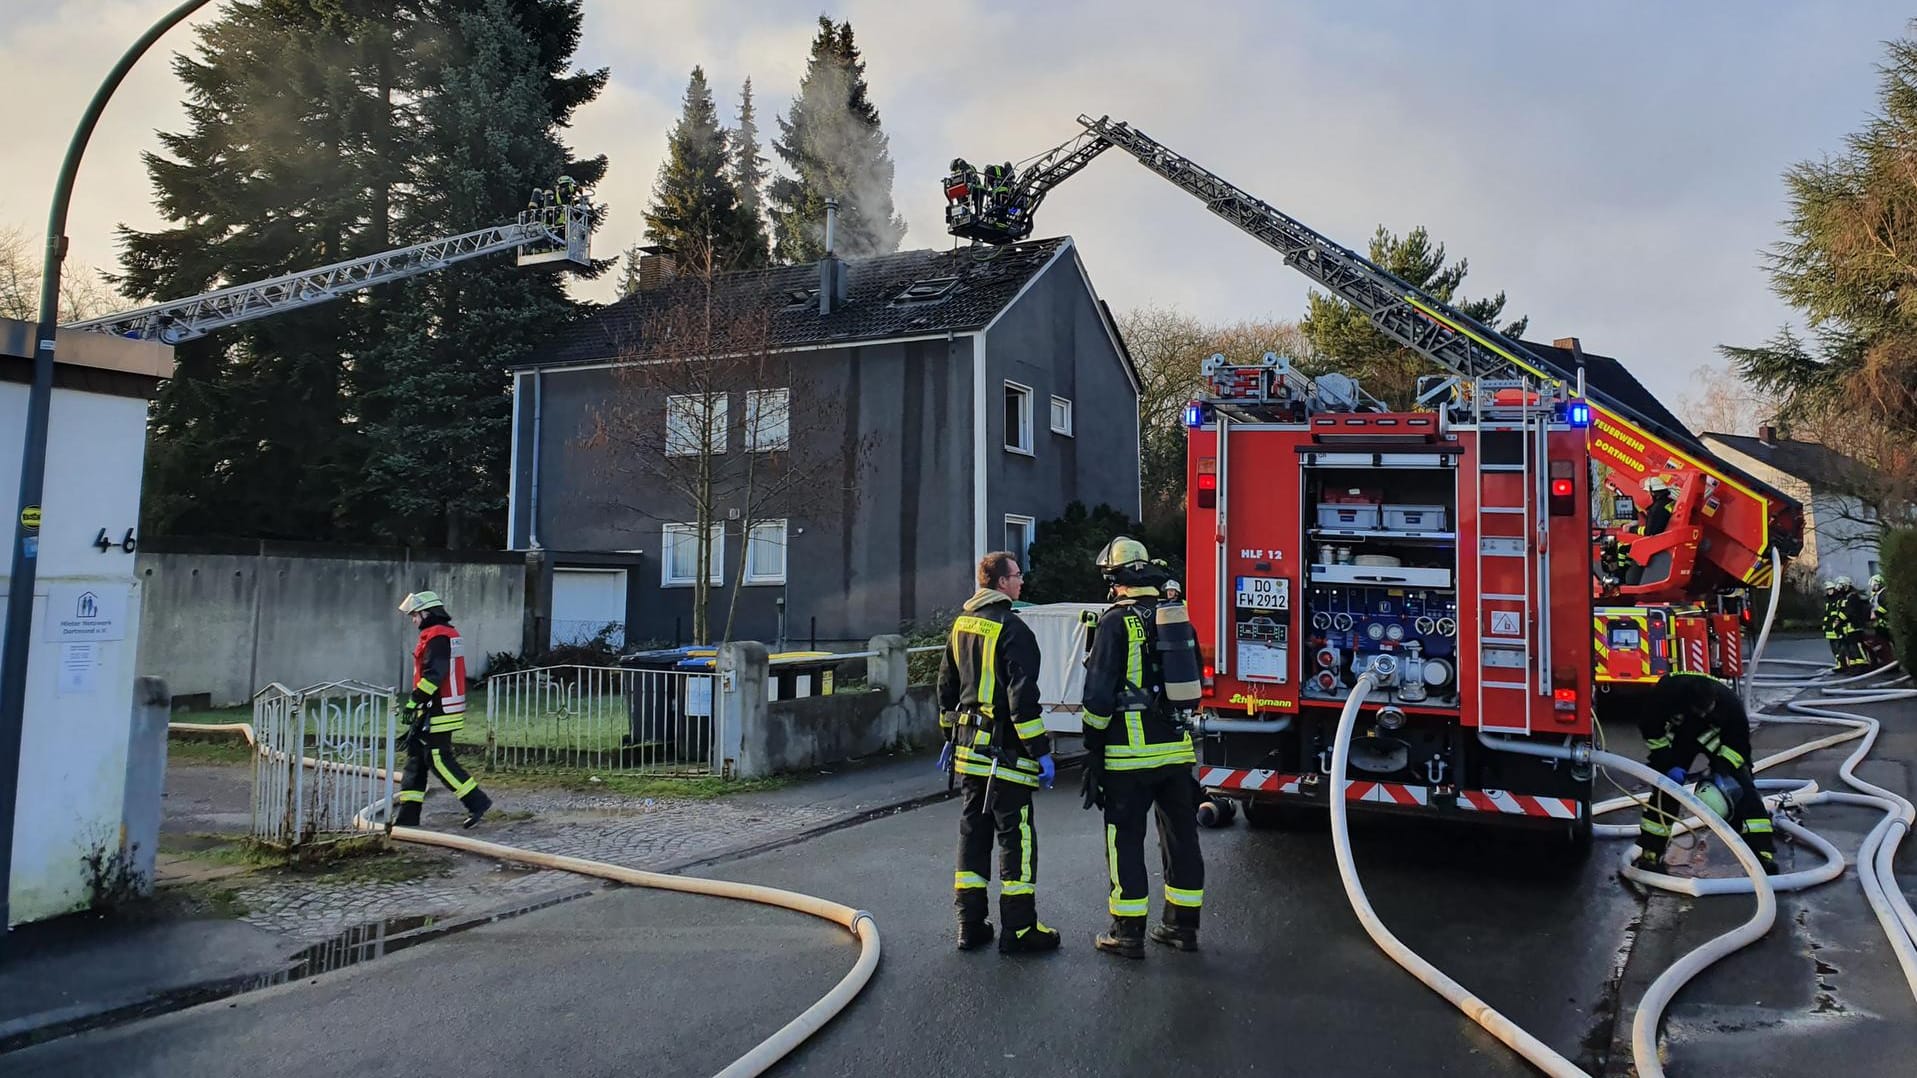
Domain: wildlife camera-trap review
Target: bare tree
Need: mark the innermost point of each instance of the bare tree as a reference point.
(82, 292)
(1720, 400)
(713, 426)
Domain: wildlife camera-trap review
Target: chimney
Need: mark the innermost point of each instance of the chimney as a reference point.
(656, 267)
(831, 270)
(1767, 434)
(1571, 345)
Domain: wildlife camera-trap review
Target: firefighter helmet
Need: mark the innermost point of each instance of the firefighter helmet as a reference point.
(1656, 484)
(1121, 552)
(1845, 583)
(420, 601)
(1830, 586)
(1876, 581)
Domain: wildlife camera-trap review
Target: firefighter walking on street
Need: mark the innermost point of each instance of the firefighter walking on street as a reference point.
(996, 742)
(1840, 625)
(1689, 715)
(1140, 762)
(434, 712)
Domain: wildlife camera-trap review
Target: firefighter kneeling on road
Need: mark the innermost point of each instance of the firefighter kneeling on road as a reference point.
(1688, 715)
(1139, 758)
(996, 740)
(435, 711)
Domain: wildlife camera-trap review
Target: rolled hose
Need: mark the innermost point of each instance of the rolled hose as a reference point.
(1537, 1053)
(767, 1052)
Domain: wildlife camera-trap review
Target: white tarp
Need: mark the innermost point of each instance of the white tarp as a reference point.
(1061, 673)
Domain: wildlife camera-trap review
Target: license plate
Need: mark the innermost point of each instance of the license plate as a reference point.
(1264, 592)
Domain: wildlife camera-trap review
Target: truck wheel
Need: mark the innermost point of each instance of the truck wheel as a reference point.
(1216, 812)
(1567, 849)
(1276, 816)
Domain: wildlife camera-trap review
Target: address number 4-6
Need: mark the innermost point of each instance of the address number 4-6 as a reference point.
(105, 544)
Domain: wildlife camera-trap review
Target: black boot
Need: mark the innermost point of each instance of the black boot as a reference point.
(974, 934)
(477, 804)
(1126, 938)
(1033, 940)
(1177, 937)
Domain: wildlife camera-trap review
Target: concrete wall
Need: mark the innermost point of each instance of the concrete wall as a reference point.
(223, 622)
(798, 735)
(1054, 340)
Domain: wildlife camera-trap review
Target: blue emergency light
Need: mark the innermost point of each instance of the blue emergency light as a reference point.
(1194, 414)
(1578, 414)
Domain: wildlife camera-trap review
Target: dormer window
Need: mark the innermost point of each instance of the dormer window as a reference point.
(925, 291)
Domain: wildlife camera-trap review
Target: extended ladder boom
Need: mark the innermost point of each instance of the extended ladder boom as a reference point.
(566, 236)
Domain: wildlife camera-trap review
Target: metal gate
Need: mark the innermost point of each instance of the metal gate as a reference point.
(322, 754)
(605, 719)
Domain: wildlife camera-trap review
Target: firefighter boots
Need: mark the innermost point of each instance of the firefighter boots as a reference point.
(974, 934)
(1177, 937)
(1126, 938)
(1033, 940)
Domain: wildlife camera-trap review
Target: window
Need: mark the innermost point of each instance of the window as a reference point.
(688, 417)
(1018, 418)
(679, 554)
(765, 553)
(927, 290)
(768, 419)
(1061, 416)
(799, 299)
(1018, 535)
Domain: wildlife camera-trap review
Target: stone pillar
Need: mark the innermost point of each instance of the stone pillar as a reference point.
(145, 777)
(744, 670)
(887, 671)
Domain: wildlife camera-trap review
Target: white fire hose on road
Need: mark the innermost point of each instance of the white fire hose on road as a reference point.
(769, 1051)
(1874, 858)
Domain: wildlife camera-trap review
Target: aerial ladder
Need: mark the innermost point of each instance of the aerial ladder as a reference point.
(1725, 522)
(540, 235)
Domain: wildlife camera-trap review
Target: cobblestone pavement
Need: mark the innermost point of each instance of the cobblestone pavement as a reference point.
(647, 833)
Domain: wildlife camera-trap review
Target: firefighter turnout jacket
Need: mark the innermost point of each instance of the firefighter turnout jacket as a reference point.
(1124, 704)
(439, 674)
(988, 692)
(1689, 715)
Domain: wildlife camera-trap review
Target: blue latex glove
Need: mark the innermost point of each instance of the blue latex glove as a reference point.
(945, 757)
(1047, 771)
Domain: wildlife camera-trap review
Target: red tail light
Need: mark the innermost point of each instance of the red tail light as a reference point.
(1561, 487)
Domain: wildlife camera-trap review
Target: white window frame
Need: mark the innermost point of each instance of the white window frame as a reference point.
(1031, 535)
(772, 439)
(667, 544)
(686, 445)
(1025, 443)
(1064, 428)
(752, 573)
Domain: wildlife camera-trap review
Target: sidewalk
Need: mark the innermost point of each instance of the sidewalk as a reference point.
(212, 932)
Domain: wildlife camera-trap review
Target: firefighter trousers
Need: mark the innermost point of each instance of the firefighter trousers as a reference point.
(428, 755)
(1752, 818)
(1006, 813)
(1171, 795)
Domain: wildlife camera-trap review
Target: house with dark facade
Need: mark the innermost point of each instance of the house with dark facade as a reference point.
(940, 404)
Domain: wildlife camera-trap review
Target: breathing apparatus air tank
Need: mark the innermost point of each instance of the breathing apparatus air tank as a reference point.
(1177, 654)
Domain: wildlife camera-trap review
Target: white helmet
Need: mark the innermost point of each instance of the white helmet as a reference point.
(1844, 583)
(1830, 586)
(1655, 484)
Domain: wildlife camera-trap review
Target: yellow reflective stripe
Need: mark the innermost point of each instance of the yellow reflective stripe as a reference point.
(1731, 756)
(1186, 757)
(1179, 896)
(1150, 748)
(1134, 675)
(446, 724)
(426, 686)
(1016, 888)
(1129, 907)
(988, 631)
(1709, 740)
(962, 881)
(1111, 858)
(1657, 743)
(1455, 327)
(1031, 730)
(1025, 844)
(1652, 827)
(413, 797)
(1096, 721)
(460, 789)
(1757, 827)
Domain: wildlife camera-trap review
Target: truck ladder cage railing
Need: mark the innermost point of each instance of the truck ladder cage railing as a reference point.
(565, 238)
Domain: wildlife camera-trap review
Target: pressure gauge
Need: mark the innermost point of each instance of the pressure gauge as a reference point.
(1394, 632)
(1375, 631)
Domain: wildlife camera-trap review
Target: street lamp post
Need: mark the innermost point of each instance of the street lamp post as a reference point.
(33, 460)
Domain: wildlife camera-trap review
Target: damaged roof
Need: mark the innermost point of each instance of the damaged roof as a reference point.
(905, 294)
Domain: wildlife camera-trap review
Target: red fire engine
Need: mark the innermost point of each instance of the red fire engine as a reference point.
(1449, 551)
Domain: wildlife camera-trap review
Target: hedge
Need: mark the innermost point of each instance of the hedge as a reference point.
(1899, 554)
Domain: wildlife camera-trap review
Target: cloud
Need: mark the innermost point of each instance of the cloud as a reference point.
(1614, 169)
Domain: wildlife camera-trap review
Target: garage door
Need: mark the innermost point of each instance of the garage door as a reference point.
(585, 602)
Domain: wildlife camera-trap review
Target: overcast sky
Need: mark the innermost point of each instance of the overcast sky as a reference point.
(1614, 167)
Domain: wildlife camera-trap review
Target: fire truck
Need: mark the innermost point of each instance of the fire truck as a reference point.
(1468, 553)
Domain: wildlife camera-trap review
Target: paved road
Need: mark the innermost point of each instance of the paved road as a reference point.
(634, 982)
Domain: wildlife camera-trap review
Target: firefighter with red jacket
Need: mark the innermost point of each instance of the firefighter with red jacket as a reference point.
(434, 712)
(996, 742)
(1689, 715)
(1139, 762)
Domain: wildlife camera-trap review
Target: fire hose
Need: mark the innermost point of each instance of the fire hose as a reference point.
(1874, 857)
(769, 1051)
